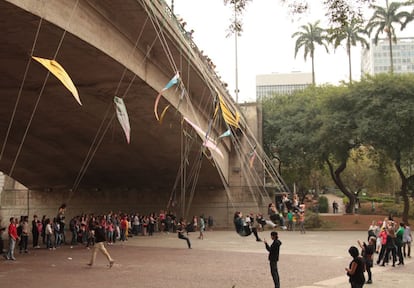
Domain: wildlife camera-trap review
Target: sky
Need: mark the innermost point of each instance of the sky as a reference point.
(266, 45)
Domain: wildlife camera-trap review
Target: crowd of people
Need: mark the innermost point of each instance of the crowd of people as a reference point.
(391, 241)
(51, 232)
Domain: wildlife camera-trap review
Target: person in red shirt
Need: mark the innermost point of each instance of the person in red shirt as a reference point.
(12, 231)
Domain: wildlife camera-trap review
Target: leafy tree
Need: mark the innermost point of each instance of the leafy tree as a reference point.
(311, 129)
(385, 117)
(310, 35)
(384, 19)
(337, 137)
(285, 120)
(352, 33)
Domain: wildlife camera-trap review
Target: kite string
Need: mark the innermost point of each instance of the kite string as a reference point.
(40, 95)
(91, 154)
(92, 150)
(20, 89)
(188, 81)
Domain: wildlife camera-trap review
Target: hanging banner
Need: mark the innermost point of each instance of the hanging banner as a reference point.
(56, 69)
(225, 134)
(171, 83)
(228, 116)
(208, 142)
(122, 115)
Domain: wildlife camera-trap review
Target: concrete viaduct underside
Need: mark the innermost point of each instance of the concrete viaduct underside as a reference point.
(50, 135)
(66, 152)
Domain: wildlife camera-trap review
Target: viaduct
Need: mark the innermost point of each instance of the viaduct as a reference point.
(194, 151)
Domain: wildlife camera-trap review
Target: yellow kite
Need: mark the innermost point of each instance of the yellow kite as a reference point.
(56, 69)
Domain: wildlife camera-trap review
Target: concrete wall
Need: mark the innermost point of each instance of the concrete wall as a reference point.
(215, 203)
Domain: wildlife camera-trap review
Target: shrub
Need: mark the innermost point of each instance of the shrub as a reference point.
(312, 220)
(323, 204)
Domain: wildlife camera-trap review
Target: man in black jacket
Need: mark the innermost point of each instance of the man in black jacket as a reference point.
(274, 257)
(100, 239)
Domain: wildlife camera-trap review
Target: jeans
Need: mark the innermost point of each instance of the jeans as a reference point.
(24, 239)
(49, 241)
(111, 237)
(35, 236)
(275, 273)
(74, 240)
(12, 244)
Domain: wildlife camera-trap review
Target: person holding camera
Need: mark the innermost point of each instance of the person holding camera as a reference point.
(274, 250)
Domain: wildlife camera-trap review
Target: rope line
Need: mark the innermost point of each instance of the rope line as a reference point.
(96, 143)
(40, 94)
(20, 89)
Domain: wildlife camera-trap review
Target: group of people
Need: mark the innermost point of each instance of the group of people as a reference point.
(390, 240)
(288, 216)
(92, 230)
(19, 231)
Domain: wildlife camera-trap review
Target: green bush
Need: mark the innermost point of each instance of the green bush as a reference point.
(323, 204)
(312, 220)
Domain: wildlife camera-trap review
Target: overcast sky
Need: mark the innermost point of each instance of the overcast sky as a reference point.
(266, 44)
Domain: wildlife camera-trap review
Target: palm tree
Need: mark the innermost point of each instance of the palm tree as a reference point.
(351, 33)
(384, 19)
(310, 35)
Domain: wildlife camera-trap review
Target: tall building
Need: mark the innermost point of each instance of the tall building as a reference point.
(377, 59)
(286, 83)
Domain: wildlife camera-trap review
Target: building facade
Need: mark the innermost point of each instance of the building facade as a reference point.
(281, 83)
(377, 59)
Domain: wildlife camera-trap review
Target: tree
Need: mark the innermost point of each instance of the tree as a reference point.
(385, 116)
(310, 35)
(352, 33)
(384, 19)
(311, 129)
(339, 12)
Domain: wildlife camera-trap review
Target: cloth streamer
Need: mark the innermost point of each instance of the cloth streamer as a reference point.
(122, 115)
(171, 83)
(56, 69)
(207, 142)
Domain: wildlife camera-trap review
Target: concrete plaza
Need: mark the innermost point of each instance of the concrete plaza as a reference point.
(222, 259)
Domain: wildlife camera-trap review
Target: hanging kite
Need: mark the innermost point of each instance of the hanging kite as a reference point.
(207, 142)
(122, 115)
(171, 83)
(56, 69)
(228, 116)
(225, 134)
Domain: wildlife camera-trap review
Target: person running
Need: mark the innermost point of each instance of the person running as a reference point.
(100, 238)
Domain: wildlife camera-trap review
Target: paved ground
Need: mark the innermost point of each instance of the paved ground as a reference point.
(222, 259)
